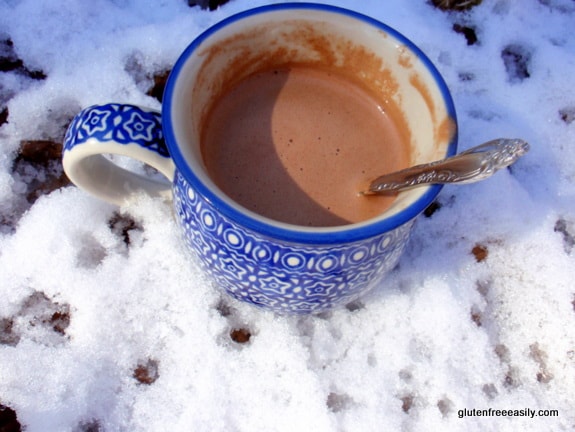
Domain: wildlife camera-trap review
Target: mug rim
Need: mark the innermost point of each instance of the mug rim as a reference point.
(285, 231)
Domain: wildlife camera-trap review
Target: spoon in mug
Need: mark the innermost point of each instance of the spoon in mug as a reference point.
(470, 166)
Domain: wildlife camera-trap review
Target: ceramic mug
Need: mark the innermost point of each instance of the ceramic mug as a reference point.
(277, 266)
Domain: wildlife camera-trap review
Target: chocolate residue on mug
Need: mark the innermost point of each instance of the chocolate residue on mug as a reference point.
(416, 82)
(405, 58)
(295, 42)
(307, 37)
(444, 129)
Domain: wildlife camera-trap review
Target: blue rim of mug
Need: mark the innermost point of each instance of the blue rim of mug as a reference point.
(283, 231)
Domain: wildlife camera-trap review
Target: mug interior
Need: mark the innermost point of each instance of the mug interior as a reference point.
(387, 64)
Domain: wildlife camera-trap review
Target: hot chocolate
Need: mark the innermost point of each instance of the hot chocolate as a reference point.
(297, 144)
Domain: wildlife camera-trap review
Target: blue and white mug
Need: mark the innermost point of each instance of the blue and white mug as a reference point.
(277, 266)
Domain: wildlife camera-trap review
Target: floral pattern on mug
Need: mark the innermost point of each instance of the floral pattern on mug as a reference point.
(282, 276)
(122, 124)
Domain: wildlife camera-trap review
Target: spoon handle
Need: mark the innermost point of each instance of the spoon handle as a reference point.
(470, 166)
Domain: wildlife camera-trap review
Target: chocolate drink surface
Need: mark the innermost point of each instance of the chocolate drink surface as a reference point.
(297, 144)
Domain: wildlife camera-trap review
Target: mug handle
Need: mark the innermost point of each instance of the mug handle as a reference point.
(117, 129)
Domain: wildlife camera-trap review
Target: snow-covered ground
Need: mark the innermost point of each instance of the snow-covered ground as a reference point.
(106, 326)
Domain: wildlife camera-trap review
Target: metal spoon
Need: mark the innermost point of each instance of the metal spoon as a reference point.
(470, 166)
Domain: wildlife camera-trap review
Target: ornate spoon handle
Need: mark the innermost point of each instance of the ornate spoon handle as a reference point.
(470, 166)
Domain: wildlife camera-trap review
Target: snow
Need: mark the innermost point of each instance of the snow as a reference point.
(105, 325)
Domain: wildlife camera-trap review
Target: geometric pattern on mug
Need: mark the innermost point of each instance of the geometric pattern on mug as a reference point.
(122, 124)
(278, 275)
